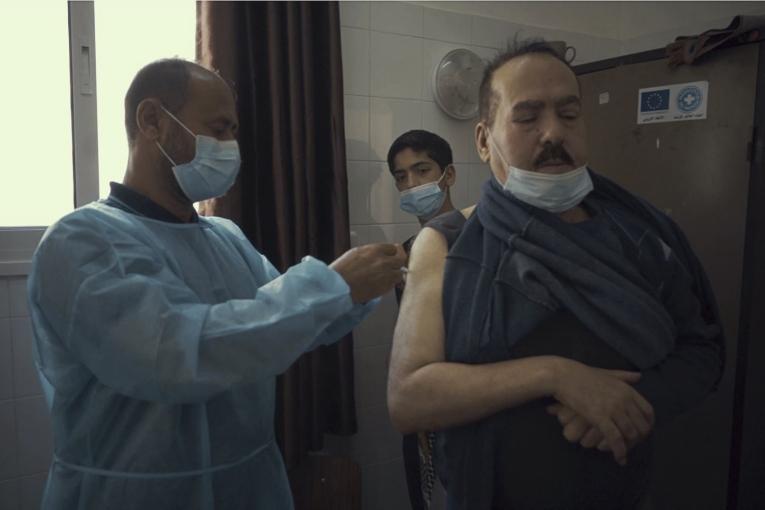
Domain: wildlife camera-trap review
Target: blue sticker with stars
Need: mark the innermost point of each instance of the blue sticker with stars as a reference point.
(654, 100)
(672, 103)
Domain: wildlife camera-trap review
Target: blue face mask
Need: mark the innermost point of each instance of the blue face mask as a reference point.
(212, 171)
(424, 201)
(552, 192)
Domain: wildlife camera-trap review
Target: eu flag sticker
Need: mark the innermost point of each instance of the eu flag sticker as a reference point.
(672, 103)
(654, 101)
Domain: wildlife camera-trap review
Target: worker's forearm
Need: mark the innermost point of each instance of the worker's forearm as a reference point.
(440, 395)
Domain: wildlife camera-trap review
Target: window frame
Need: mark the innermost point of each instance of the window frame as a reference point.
(17, 244)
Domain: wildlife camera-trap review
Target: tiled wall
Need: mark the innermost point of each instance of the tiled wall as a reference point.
(389, 52)
(25, 432)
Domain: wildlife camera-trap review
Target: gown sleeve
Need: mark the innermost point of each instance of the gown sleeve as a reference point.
(143, 332)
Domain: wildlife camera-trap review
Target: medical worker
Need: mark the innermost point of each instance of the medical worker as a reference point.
(159, 333)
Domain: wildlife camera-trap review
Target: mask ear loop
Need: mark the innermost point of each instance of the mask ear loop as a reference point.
(182, 125)
(165, 153)
(177, 120)
(411, 190)
(496, 148)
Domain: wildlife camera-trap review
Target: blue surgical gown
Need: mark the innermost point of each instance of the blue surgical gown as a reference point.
(157, 345)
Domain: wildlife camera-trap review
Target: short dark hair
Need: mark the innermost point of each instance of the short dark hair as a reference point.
(166, 79)
(487, 99)
(420, 140)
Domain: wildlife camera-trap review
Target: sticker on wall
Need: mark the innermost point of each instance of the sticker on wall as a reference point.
(672, 103)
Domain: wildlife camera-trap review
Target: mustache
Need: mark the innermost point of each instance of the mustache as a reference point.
(553, 152)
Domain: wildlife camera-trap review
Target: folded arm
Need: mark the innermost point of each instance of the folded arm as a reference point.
(425, 392)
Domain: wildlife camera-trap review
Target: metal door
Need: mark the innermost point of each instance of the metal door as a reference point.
(698, 172)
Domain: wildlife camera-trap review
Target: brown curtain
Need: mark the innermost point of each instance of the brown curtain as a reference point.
(284, 61)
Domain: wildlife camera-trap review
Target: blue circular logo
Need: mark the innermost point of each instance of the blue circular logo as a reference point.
(689, 98)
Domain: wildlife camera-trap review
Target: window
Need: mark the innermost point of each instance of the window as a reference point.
(36, 132)
(64, 119)
(129, 35)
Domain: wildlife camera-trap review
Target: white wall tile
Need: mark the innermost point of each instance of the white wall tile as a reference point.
(635, 45)
(390, 118)
(432, 53)
(400, 232)
(384, 486)
(377, 234)
(397, 18)
(446, 26)
(359, 190)
(17, 293)
(5, 303)
(487, 32)
(384, 198)
(34, 435)
(355, 49)
(356, 127)
(459, 192)
(371, 374)
(354, 239)
(354, 14)
(396, 62)
(32, 488)
(389, 232)
(648, 42)
(9, 460)
(548, 34)
(362, 233)
(6, 359)
(10, 494)
(377, 328)
(478, 174)
(496, 33)
(598, 49)
(459, 133)
(486, 54)
(25, 381)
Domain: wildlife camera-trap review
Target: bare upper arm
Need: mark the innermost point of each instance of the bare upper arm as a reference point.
(418, 339)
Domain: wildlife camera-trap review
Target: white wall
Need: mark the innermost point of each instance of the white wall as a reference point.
(592, 18)
(25, 430)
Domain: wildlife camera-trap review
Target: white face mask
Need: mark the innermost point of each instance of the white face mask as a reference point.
(552, 192)
(212, 171)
